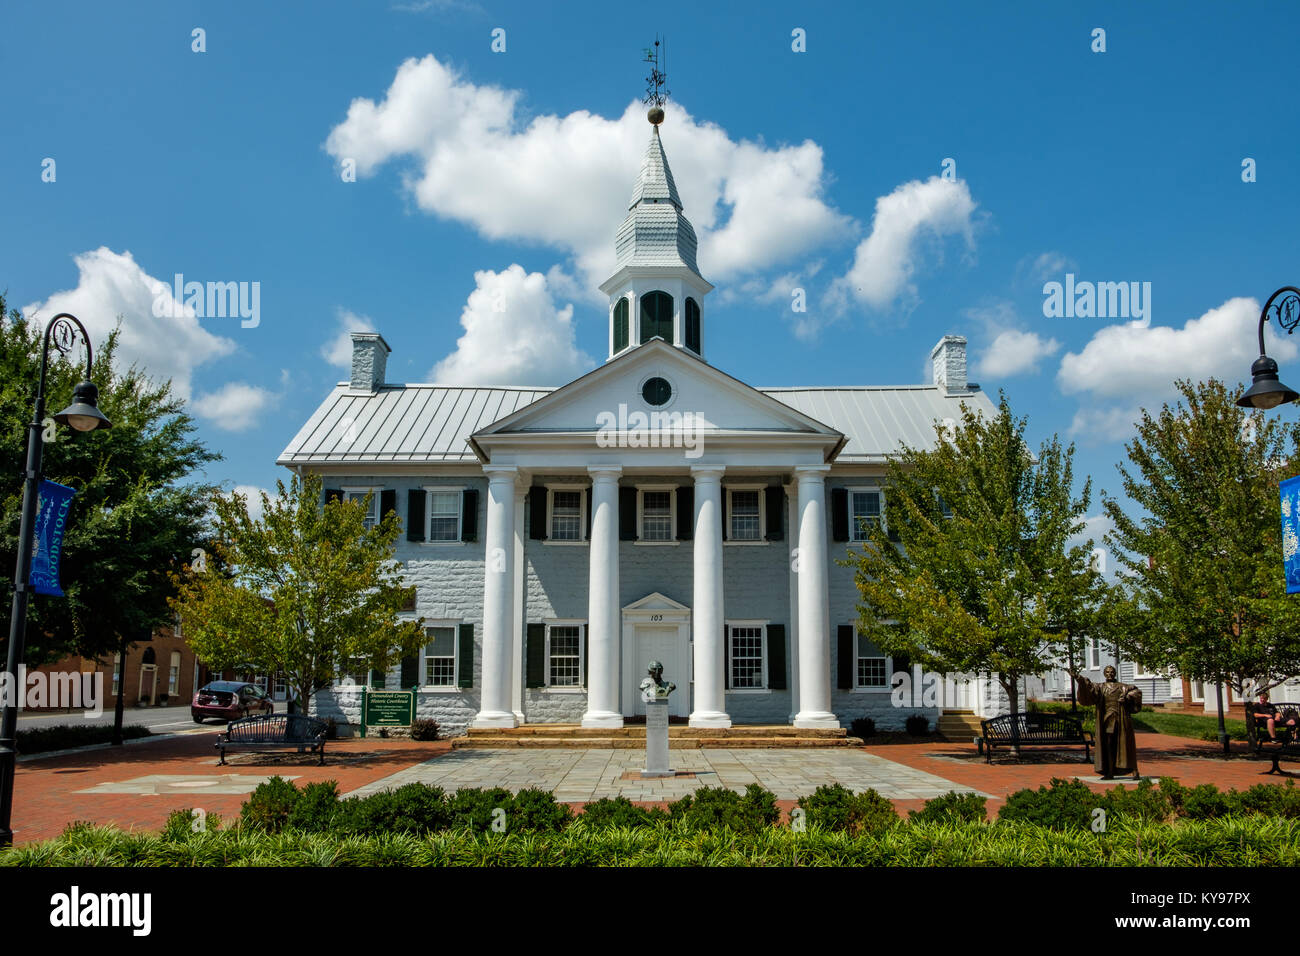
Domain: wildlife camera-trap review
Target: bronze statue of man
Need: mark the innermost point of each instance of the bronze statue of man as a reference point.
(1116, 704)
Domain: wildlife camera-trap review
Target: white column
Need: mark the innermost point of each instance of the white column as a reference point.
(520, 607)
(814, 623)
(498, 604)
(603, 612)
(792, 521)
(707, 613)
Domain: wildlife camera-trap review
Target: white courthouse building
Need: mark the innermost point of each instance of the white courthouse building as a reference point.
(654, 508)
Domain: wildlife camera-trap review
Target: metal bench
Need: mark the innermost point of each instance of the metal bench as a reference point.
(1033, 730)
(1285, 747)
(268, 732)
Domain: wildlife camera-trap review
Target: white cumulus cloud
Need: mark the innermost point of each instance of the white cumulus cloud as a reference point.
(338, 350)
(253, 496)
(886, 261)
(566, 180)
(166, 342)
(1014, 352)
(514, 335)
(235, 406)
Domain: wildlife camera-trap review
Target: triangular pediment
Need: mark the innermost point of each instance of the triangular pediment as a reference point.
(615, 390)
(656, 602)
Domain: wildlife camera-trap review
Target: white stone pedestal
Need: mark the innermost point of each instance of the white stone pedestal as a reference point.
(656, 739)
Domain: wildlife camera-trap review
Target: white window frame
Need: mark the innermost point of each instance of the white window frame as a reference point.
(345, 672)
(731, 515)
(640, 515)
(459, 491)
(422, 677)
(855, 533)
(583, 504)
(1139, 674)
(888, 686)
(1091, 654)
(731, 658)
(581, 686)
(375, 491)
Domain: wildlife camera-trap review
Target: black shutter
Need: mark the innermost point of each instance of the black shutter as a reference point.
(726, 657)
(410, 671)
(901, 663)
(846, 657)
(585, 631)
(535, 649)
(586, 497)
(726, 532)
(537, 512)
(466, 662)
(840, 514)
(378, 679)
(415, 514)
(469, 514)
(892, 534)
(627, 514)
(776, 657)
(685, 514)
(333, 494)
(387, 502)
(775, 512)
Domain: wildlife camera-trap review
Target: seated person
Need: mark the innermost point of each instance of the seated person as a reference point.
(1273, 717)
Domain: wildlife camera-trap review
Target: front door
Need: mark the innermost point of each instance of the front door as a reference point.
(663, 643)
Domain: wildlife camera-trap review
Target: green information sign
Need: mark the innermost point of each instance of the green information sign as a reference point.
(386, 708)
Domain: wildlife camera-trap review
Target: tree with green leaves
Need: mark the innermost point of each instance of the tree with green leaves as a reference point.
(983, 576)
(305, 590)
(1205, 591)
(138, 510)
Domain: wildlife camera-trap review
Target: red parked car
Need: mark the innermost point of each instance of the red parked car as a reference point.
(229, 700)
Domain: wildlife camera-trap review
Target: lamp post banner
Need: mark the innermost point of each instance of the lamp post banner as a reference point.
(47, 542)
(1290, 490)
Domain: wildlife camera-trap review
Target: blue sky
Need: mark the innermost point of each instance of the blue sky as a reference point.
(819, 170)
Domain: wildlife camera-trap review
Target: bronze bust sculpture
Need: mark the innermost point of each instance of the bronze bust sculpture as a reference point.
(655, 687)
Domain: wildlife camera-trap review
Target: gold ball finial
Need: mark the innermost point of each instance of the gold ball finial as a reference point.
(655, 115)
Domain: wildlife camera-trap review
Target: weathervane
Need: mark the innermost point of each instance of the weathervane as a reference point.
(656, 91)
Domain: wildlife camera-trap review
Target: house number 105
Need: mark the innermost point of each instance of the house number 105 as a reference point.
(656, 617)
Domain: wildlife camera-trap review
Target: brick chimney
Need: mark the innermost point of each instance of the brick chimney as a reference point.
(369, 360)
(949, 363)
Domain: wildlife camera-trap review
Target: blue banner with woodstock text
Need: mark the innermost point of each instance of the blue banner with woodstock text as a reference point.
(47, 548)
(1290, 490)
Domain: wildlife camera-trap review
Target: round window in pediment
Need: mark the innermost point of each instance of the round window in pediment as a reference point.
(656, 391)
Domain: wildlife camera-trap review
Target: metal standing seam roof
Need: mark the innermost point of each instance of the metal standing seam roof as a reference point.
(431, 423)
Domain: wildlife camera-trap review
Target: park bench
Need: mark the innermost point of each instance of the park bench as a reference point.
(1033, 730)
(1285, 747)
(269, 732)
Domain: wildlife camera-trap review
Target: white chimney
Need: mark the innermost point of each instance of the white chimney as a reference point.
(369, 360)
(949, 362)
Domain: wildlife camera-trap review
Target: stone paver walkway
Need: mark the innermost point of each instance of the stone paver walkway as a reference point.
(576, 776)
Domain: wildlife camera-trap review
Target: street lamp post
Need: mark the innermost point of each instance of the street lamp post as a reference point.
(1266, 391)
(83, 415)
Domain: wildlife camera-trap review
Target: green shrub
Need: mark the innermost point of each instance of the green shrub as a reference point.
(536, 811)
(862, 727)
(317, 808)
(835, 807)
(918, 725)
(424, 729)
(412, 808)
(1205, 802)
(1271, 800)
(716, 808)
(952, 807)
(1145, 802)
(269, 806)
(620, 812)
(472, 807)
(66, 736)
(1065, 805)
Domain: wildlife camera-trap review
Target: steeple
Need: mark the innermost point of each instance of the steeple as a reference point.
(657, 288)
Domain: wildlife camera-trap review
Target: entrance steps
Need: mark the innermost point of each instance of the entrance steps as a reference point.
(959, 725)
(632, 737)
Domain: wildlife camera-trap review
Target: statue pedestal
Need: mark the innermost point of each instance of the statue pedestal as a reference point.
(656, 739)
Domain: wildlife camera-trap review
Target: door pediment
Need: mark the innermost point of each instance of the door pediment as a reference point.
(656, 602)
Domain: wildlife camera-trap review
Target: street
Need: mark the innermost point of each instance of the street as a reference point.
(160, 720)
